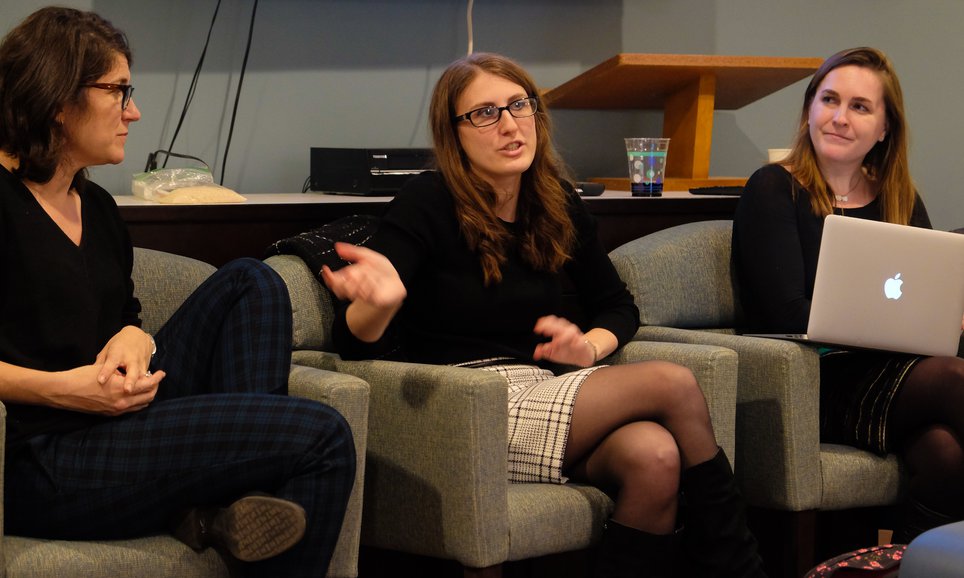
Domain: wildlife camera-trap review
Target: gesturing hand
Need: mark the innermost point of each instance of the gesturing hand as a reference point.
(567, 343)
(370, 278)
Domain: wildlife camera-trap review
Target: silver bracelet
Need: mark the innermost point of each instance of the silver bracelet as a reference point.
(595, 352)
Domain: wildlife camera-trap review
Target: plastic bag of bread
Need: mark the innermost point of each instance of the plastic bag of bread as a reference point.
(186, 186)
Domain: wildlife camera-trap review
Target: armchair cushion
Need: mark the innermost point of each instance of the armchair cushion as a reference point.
(162, 281)
(151, 556)
(699, 295)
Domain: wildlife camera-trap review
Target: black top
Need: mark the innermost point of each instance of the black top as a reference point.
(449, 316)
(59, 303)
(776, 243)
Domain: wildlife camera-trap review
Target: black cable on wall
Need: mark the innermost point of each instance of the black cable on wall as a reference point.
(193, 87)
(237, 96)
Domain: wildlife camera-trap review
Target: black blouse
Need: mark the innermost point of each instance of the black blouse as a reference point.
(450, 316)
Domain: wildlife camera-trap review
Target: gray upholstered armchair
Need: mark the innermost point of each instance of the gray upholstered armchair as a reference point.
(162, 282)
(436, 483)
(681, 280)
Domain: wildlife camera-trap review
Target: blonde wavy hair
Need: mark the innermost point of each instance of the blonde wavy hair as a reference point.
(548, 232)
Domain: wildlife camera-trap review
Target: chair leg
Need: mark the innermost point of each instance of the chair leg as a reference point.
(787, 540)
(488, 572)
(804, 539)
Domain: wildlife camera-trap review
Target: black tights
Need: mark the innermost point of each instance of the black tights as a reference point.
(927, 422)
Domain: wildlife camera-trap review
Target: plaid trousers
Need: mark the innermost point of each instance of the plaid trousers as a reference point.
(220, 426)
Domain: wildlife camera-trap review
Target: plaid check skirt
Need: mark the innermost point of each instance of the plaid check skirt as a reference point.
(540, 411)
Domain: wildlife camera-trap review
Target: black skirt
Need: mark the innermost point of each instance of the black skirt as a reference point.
(857, 391)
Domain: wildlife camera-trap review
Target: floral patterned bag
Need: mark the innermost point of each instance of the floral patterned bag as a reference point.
(875, 562)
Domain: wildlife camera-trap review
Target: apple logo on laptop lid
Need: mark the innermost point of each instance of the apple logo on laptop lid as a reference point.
(892, 287)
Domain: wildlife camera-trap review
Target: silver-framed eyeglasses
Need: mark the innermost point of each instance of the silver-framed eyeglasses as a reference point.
(126, 91)
(489, 115)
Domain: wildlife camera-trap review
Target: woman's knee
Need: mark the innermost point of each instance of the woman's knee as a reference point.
(326, 444)
(955, 368)
(679, 386)
(245, 265)
(947, 371)
(936, 449)
(649, 375)
(932, 394)
(647, 456)
(301, 426)
(252, 271)
(329, 425)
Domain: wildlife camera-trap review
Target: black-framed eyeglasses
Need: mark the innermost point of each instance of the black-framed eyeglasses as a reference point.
(126, 91)
(489, 115)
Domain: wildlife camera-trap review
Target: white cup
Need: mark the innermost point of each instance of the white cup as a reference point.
(777, 155)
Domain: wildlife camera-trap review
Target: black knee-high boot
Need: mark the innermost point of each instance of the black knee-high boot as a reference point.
(915, 519)
(717, 541)
(630, 553)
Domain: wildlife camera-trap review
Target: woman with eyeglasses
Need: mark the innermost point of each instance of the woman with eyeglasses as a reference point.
(113, 433)
(467, 268)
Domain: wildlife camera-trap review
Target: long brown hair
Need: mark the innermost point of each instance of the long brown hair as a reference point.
(886, 163)
(44, 63)
(549, 234)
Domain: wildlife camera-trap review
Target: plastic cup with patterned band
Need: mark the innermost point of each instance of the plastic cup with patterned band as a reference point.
(647, 165)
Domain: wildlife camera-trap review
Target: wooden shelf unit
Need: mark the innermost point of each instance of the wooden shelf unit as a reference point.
(688, 88)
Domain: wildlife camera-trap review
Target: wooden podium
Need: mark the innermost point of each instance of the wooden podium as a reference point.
(688, 88)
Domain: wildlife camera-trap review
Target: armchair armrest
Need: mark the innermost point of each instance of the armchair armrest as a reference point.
(436, 480)
(778, 423)
(715, 369)
(349, 396)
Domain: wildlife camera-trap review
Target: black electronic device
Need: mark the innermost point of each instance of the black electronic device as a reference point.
(590, 189)
(734, 190)
(374, 172)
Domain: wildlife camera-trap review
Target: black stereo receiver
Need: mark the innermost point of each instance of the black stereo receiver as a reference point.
(376, 172)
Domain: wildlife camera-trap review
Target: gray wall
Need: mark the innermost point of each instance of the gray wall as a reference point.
(358, 73)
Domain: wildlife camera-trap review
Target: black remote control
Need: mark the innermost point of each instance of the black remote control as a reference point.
(725, 190)
(590, 189)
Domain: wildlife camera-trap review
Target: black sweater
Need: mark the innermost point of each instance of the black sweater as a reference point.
(449, 315)
(59, 303)
(776, 242)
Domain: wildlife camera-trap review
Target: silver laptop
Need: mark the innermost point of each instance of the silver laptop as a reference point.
(885, 286)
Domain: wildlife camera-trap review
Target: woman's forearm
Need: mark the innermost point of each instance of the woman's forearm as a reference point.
(367, 322)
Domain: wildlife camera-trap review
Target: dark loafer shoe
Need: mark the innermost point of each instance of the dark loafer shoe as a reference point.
(253, 528)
